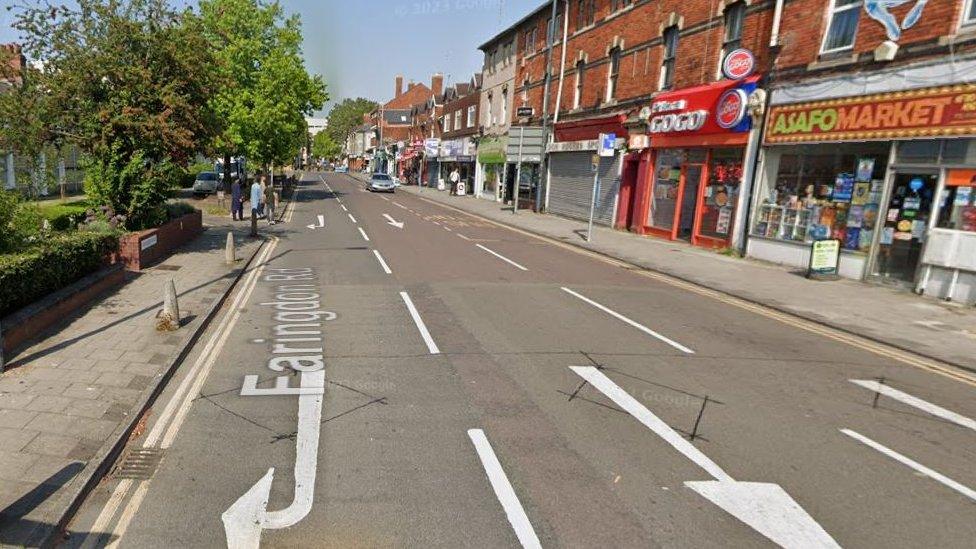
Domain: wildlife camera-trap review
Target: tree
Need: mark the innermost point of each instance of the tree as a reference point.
(127, 81)
(347, 115)
(323, 146)
(267, 91)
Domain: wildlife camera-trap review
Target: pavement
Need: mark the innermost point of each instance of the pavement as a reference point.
(937, 330)
(68, 400)
(393, 372)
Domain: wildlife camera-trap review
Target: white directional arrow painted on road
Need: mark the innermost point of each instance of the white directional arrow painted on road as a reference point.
(766, 508)
(249, 515)
(321, 225)
(394, 222)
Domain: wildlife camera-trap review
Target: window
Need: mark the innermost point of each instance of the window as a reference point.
(503, 119)
(617, 5)
(969, 14)
(525, 89)
(457, 120)
(447, 123)
(554, 32)
(842, 26)
(585, 13)
(471, 116)
(734, 15)
(530, 41)
(613, 73)
(580, 79)
(670, 51)
(488, 120)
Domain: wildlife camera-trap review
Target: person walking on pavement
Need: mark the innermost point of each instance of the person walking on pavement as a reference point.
(455, 177)
(269, 202)
(256, 198)
(236, 201)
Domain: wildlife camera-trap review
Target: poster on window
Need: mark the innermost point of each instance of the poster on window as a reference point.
(724, 219)
(843, 188)
(865, 168)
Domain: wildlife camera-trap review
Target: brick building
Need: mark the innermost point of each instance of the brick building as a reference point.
(424, 125)
(498, 88)
(392, 120)
(635, 68)
(869, 140)
(460, 129)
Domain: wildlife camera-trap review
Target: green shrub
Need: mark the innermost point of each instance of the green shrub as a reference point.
(178, 209)
(133, 187)
(51, 265)
(20, 222)
(66, 216)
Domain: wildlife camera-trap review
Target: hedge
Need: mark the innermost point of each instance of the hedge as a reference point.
(64, 217)
(30, 275)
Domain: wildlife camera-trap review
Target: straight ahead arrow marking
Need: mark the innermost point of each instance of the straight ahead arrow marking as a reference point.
(764, 507)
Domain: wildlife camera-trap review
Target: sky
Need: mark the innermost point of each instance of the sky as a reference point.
(358, 46)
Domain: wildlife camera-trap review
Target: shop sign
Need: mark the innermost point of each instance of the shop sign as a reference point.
(431, 146)
(711, 109)
(731, 108)
(738, 64)
(824, 258)
(639, 141)
(931, 112)
(524, 112)
(607, 143)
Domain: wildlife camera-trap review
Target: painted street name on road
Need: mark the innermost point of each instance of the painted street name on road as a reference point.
(297, 346)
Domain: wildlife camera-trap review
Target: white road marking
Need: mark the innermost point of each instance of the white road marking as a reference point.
(503, 490)
(640, 327)
(343, 206)
(448, 229)
(605, 385)
(362, 232)
(421, 327)
(351, 218)
(500, 256)
(464, 237)
(918, 467)
(764, 507)
(398, 205)
(916, 402)
(394, 222)
(386, 268)
(108, 513)
(128, 513)
(385, 198)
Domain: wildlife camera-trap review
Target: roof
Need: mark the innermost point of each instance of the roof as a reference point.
(513, 26)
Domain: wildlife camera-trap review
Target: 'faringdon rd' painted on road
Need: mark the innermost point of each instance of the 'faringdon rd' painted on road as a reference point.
(297, 346)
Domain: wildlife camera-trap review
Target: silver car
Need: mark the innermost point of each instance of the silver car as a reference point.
(206, 183)
(380, 182)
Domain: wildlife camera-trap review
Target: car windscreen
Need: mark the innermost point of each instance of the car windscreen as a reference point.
(206, 176)
(381, 177)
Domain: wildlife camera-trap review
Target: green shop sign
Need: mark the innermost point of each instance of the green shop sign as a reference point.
(491, 150)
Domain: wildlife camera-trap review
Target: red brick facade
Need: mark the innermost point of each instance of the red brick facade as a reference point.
(457, 101)
(143, 248)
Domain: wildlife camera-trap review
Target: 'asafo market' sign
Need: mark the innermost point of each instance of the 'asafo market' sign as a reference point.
(930, 112)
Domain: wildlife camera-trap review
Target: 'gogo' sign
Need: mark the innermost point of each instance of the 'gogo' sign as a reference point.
(738, 64)
(679, 122)
(931, 112)
(731, 108)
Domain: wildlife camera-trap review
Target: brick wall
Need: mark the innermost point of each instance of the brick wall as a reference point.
(168, 237)
(460, 105)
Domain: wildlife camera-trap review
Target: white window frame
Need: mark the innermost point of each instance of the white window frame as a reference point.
(963, 21)
(830, 19)
(662, 76)
(457, 120)
(504, 113)
(578, 89)
(488, 121)
(613, 82)
(472, 110)
(447, 122)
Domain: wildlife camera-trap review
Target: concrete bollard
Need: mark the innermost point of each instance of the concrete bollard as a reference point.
(168, 319)
(229, 252)
(254, 222)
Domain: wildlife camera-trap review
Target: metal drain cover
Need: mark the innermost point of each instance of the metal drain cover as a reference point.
(140, 464)
(165, 267)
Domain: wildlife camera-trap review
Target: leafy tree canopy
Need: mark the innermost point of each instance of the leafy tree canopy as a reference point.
(347, 115)
(323, 146)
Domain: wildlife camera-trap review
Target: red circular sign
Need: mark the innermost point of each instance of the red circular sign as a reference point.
(731, 108)
(738, 64)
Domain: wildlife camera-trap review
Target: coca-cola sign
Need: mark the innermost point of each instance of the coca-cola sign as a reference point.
(731, 108)
(738, 64)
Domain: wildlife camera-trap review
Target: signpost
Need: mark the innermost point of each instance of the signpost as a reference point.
(605, 148)
(824, 258)
(524, 145)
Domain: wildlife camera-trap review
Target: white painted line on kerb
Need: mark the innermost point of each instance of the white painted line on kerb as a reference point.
(640, 327)
(421, 327)
(362, 232)
(918, 467)
(386, 268)
(605, 385)
(351, 218)
(504, 491)
(916, 402)
(500, 256)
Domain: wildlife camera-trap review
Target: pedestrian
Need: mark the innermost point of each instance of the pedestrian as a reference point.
(236, 201)
(256, 198)
(455, 177)
(269, 203)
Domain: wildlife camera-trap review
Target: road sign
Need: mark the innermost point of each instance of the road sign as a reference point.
(524, 112)
(607, 144)
(524, 144)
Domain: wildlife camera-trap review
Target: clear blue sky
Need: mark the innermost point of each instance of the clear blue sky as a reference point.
(358, 46)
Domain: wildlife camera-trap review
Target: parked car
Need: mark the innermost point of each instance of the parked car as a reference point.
(206, 183)
(342, 169)
(380, 182)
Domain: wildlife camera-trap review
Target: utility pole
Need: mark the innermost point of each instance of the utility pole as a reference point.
(550, 39)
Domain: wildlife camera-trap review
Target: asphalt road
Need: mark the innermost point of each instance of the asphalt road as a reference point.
(450, 324)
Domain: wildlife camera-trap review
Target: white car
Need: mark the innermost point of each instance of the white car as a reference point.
(380, 182)
(206, 183)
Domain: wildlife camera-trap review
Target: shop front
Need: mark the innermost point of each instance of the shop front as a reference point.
(699, 141)
(457, 154)
(892, 176)
(490, 167)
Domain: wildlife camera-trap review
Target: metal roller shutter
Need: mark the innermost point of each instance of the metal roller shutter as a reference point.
(571, 186)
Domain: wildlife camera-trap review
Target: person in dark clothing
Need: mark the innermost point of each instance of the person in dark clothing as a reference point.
(236, 201)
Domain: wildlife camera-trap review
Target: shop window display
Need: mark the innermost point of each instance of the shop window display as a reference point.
(721, 192)
(822, 191)
(957, 208)
(667, 179)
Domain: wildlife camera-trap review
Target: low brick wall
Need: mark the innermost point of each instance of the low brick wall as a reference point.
(140, 249)
(34, 319)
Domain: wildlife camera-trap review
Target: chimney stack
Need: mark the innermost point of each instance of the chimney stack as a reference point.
(399, 86)
(410, 84)
(437, 84)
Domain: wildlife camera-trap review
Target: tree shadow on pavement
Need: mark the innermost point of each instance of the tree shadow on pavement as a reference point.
(15, 530)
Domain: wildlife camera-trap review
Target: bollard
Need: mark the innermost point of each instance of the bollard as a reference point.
(169, 318)
(254, 222)
(1, 348)
(229, 253)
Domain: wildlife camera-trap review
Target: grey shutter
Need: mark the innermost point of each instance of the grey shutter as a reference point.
(571, 186)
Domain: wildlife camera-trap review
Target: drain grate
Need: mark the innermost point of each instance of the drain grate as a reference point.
(165, 267)
(140, 464)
